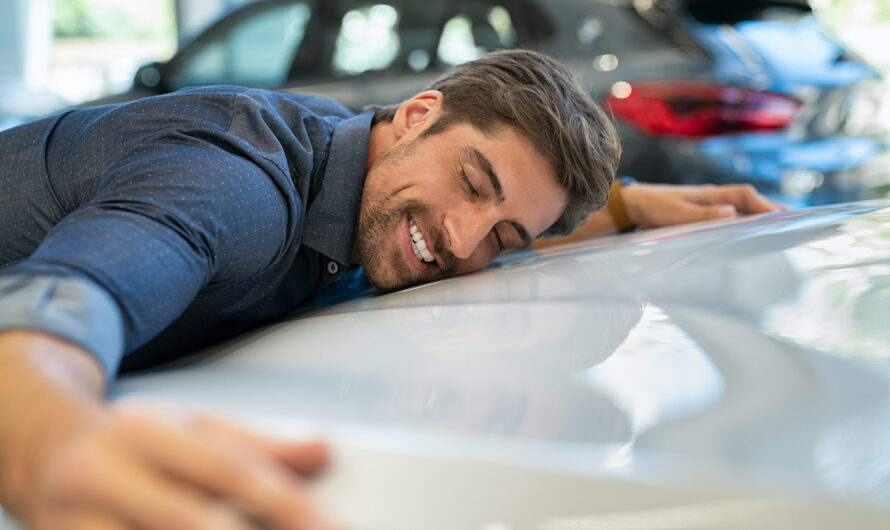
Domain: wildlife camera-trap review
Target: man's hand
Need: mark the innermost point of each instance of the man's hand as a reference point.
(653, 205)
(70, 462)
(135, 470)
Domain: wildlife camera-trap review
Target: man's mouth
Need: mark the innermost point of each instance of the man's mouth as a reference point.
(419, 244)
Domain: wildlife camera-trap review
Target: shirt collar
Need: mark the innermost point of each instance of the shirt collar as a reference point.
(330, 221)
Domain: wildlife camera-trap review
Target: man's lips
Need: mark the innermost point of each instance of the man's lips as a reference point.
(408, 250)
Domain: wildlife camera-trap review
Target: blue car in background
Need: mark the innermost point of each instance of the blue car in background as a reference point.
(702, 90)
(783, 106)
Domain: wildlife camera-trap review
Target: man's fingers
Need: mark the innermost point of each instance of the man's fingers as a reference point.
(722, 211)
(156, 502)
(692, 212)
(753, 202)
(240, 475)
(654, 205)
(140, 495)
(306, 458)
(743, 197)
(76, 518)
(88, 520)
(160, 475)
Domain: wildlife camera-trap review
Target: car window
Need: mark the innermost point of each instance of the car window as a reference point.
(474, 30)
(257, 51)
(389, 35)
(367, 39)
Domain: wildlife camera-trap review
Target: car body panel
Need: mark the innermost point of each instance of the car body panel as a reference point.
(731, 374)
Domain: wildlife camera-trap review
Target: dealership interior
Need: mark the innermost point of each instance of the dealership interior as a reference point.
(262, 305)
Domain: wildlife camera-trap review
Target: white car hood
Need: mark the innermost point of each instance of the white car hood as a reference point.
(726, 375)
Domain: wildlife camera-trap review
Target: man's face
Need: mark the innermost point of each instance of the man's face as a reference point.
(446, 204)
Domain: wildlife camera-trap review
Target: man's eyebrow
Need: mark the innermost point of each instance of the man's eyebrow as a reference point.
(482, 162)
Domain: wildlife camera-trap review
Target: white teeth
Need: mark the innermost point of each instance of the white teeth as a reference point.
(418, 244)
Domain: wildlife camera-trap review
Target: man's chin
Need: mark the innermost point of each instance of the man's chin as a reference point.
(388, 279)
(388, 285)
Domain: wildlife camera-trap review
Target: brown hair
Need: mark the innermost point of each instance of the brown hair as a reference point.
(546, 104)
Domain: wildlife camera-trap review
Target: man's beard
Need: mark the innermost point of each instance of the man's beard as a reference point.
(379, 221)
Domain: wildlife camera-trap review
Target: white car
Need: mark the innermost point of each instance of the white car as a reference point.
(733, 374)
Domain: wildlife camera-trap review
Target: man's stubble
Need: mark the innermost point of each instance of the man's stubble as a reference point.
(379, 216)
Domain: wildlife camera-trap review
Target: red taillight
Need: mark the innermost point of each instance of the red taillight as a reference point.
(697, 109)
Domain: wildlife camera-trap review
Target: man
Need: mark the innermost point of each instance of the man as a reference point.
(132, 234)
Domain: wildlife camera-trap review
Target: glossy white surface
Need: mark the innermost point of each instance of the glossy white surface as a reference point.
(742, 362)
(728, 375)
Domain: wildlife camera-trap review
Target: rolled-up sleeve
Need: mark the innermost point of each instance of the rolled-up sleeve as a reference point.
(74, 309)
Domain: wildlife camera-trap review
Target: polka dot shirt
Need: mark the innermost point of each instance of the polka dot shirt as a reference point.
(147, 230)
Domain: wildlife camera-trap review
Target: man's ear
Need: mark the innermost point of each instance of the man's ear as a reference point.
(419, 111)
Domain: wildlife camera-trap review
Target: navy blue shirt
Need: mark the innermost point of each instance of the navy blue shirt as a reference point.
(147, 230)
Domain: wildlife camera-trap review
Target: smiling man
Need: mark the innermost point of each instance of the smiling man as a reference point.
(444, 203)
(132, 234)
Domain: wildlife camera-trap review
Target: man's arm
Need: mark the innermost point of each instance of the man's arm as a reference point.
(654, 205)
(70, 461)
(161, 226)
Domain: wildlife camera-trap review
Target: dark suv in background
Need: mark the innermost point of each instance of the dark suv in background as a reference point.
(702, 91)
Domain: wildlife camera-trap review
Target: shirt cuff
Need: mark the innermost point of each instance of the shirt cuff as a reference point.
(74, 309)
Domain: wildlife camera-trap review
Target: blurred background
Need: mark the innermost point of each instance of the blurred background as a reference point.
(788, 95)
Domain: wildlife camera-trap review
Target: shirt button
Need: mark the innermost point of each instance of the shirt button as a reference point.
(333, 268)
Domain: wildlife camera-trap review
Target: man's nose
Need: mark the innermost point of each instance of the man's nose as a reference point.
(466, 230)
